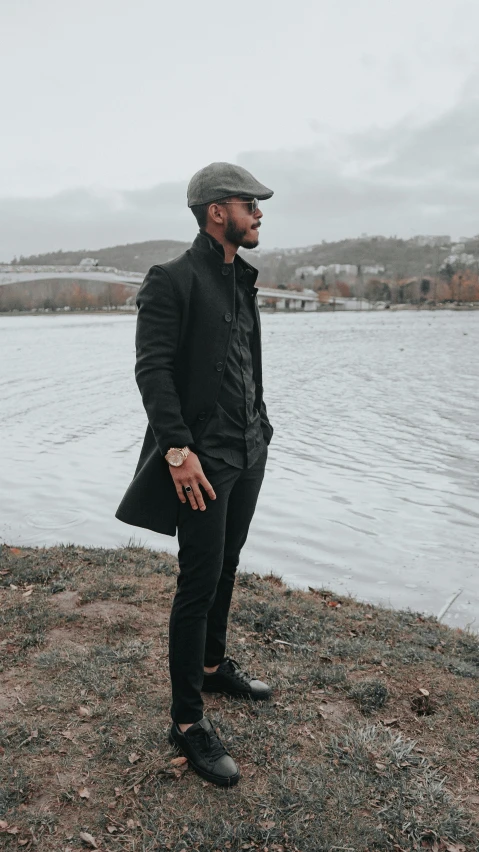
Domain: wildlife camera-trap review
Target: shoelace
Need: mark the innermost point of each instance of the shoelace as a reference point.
(241, 676)
(212, 743)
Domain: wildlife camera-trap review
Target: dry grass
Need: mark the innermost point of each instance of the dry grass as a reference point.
(350, 754)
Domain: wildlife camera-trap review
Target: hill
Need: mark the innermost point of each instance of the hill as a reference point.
(134, 257)
(399, 258)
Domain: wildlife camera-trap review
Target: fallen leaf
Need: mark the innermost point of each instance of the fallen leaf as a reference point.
(84, 793)
(369, 616)
(27, 593)
(84, 711)
(87, 838)
(111, 828)
(179, 761)
(390, 722)
(13, 830)
(380, 765)
(130, 823)
(133, 757)
(333, 603)
(424, 692)
(474, 800)
(455, 847)
(3, 825)
(268, 824)
(68, 735)
(23, 842)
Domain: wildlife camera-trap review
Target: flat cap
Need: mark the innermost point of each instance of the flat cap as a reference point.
(220, 180)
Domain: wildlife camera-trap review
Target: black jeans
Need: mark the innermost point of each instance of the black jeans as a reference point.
(210, 543)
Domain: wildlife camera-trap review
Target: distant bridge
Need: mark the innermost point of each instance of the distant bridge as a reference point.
(13, 274)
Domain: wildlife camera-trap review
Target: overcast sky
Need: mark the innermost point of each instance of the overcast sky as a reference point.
(362, 115)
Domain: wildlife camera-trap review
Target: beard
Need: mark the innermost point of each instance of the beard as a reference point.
(237, 236)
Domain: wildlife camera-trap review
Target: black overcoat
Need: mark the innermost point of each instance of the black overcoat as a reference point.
(183, 333)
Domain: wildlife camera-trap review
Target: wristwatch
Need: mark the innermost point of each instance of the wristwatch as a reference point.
(176, 456)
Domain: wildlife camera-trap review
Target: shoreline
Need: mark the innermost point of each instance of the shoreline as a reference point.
(369, 742)
(323, 310)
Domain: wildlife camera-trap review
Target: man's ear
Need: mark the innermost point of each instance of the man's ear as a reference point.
(217, 213)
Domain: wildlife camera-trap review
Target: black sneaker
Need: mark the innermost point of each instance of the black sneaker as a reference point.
(229, 679)
(205, 752)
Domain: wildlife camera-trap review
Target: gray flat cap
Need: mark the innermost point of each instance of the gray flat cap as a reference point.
(220, 180)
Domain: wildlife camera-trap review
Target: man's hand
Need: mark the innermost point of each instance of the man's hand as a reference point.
(191, 473)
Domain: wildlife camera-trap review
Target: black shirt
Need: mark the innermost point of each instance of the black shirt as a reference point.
(233, 432)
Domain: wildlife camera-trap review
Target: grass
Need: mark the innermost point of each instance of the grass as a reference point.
(369, 743)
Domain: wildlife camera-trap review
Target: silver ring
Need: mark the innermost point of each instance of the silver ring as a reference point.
(188, 488)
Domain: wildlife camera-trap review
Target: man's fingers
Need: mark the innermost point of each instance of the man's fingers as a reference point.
(180, 492)
(208, 488)
(191, 495)
(197, 496)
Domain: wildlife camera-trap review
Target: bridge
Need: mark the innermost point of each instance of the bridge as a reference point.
(13, 274)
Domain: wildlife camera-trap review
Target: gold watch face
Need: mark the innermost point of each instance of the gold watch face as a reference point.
(175, 457)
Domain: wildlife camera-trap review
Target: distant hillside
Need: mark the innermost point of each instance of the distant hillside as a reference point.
(400, 258)
(134, 257)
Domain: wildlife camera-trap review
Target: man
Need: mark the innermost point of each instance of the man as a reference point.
(202, 463)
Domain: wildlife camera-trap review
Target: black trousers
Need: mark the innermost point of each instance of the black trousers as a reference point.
(210, 543)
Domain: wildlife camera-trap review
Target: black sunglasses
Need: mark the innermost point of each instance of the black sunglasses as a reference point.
(252, 203)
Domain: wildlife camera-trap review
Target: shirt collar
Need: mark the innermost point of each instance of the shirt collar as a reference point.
(213, 243)
(207, 243)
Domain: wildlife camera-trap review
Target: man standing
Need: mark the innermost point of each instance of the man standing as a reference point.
(200, 470)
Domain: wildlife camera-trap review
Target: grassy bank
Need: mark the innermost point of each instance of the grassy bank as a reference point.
(369, 743)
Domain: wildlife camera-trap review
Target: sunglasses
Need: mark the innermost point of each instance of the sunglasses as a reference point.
(251, 203)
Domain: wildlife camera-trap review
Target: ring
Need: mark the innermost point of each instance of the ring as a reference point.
(188, 488)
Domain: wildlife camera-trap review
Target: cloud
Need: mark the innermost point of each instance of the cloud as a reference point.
(92, 218)
(413, 177)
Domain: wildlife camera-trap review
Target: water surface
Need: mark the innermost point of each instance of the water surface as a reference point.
(373, 472)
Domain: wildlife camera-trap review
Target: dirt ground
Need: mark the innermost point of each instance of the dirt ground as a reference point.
(370, 741)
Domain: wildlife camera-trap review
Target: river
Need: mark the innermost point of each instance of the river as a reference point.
(373, 473)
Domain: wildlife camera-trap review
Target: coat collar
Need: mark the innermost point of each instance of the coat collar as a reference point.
(210, 246)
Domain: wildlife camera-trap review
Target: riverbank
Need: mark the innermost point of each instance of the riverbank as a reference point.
(369, 743)
(323, 309)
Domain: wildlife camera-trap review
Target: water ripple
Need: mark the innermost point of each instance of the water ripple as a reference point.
(373, 472)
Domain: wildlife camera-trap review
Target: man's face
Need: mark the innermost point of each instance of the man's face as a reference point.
(242, 225)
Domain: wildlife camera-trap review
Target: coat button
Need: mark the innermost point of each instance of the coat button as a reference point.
(219, 366)
(228, 317)
(202, 415)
